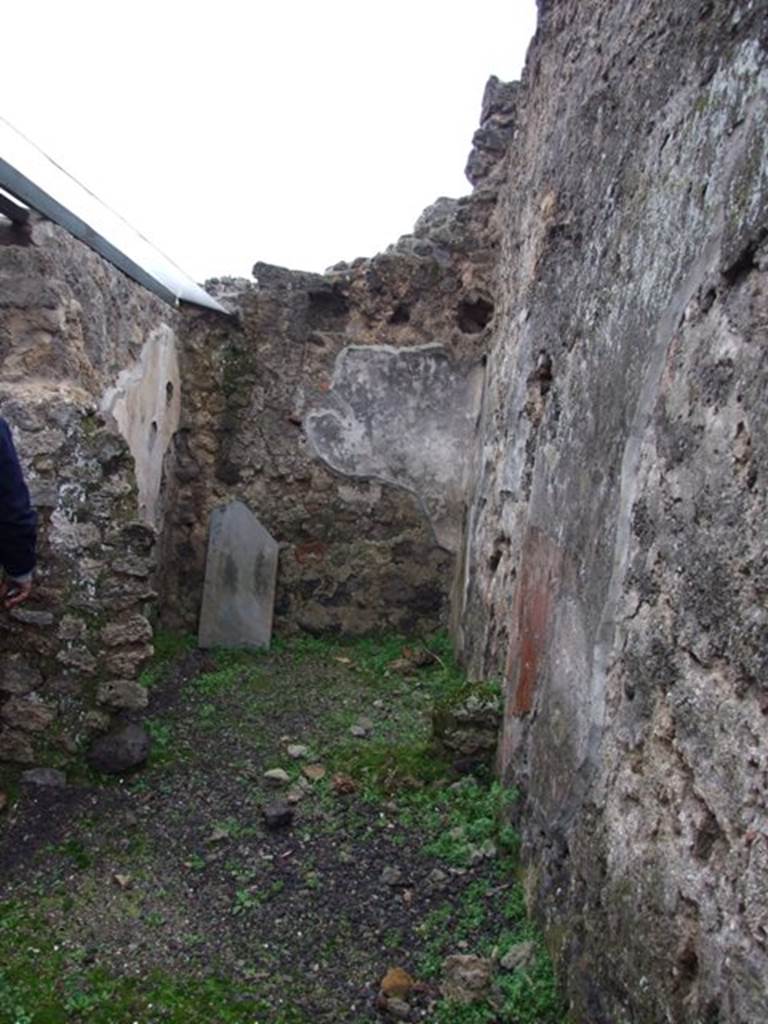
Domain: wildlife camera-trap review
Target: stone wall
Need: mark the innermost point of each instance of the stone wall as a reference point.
(616, 573)
(357, 554)
(71, 328)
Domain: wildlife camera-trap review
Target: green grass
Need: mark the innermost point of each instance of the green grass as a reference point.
(43, 982)
(162, 750)
(233, 668)
(169, 647)
(457, 819)
(384, 769)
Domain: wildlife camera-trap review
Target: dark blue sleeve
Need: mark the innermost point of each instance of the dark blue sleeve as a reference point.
(18, 522)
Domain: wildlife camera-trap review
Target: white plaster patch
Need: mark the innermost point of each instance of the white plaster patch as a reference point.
(145, 402)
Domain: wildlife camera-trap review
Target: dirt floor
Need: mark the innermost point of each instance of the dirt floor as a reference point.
(168, 895)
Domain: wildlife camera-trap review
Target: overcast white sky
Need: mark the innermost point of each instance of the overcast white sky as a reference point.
(298, 133)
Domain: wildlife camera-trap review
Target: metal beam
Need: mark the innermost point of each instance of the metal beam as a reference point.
(35, 180)
(25, 190)
(18, 214)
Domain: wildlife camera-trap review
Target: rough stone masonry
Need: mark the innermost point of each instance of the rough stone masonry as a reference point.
(70, 326)
(616, 573)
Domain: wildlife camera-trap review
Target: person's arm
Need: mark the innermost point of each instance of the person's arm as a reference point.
(18, 525)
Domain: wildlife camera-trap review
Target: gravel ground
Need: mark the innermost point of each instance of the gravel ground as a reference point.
(173, 873)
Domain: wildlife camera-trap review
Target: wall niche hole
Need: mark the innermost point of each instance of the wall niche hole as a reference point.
(474, 315)
(327, 302)
(169, 392)
(401, 314)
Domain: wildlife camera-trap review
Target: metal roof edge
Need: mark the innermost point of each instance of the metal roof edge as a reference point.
(167, 281)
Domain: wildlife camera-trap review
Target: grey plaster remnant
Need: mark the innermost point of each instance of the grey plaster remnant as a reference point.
(240, 575)
(405, 417)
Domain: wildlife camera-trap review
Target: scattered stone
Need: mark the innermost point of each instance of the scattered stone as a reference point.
(419, 657)
(437, 877)
(396, 982)
(468, 730)
(476, 855)
(218, 835)
(123, 881)
(391, 876)
(278, 814)
(297, 751)
(517, 956)
(240, 573)
(277, 776)
(412, 659)
(121, 750)
(466, 978)
(343, 785)
(488, 849)
(313, 772)
(358, 732)
(401, 665)
(44, 777)
(468, 782)
(379, 704)
(123, 693)
(295, 794)
(398, 1009)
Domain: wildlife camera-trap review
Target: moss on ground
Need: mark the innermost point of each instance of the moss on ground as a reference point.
(161, 897)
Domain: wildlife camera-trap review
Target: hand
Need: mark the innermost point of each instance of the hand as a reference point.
(13, 592)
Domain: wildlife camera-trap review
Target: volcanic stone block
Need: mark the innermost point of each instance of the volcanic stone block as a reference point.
(240, 574)
(122, 750)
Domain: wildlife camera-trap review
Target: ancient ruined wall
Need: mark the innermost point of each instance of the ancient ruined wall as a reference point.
(71, 328)
(357, 554)
(615, 567)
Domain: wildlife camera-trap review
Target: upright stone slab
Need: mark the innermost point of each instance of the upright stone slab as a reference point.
(240, 573)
